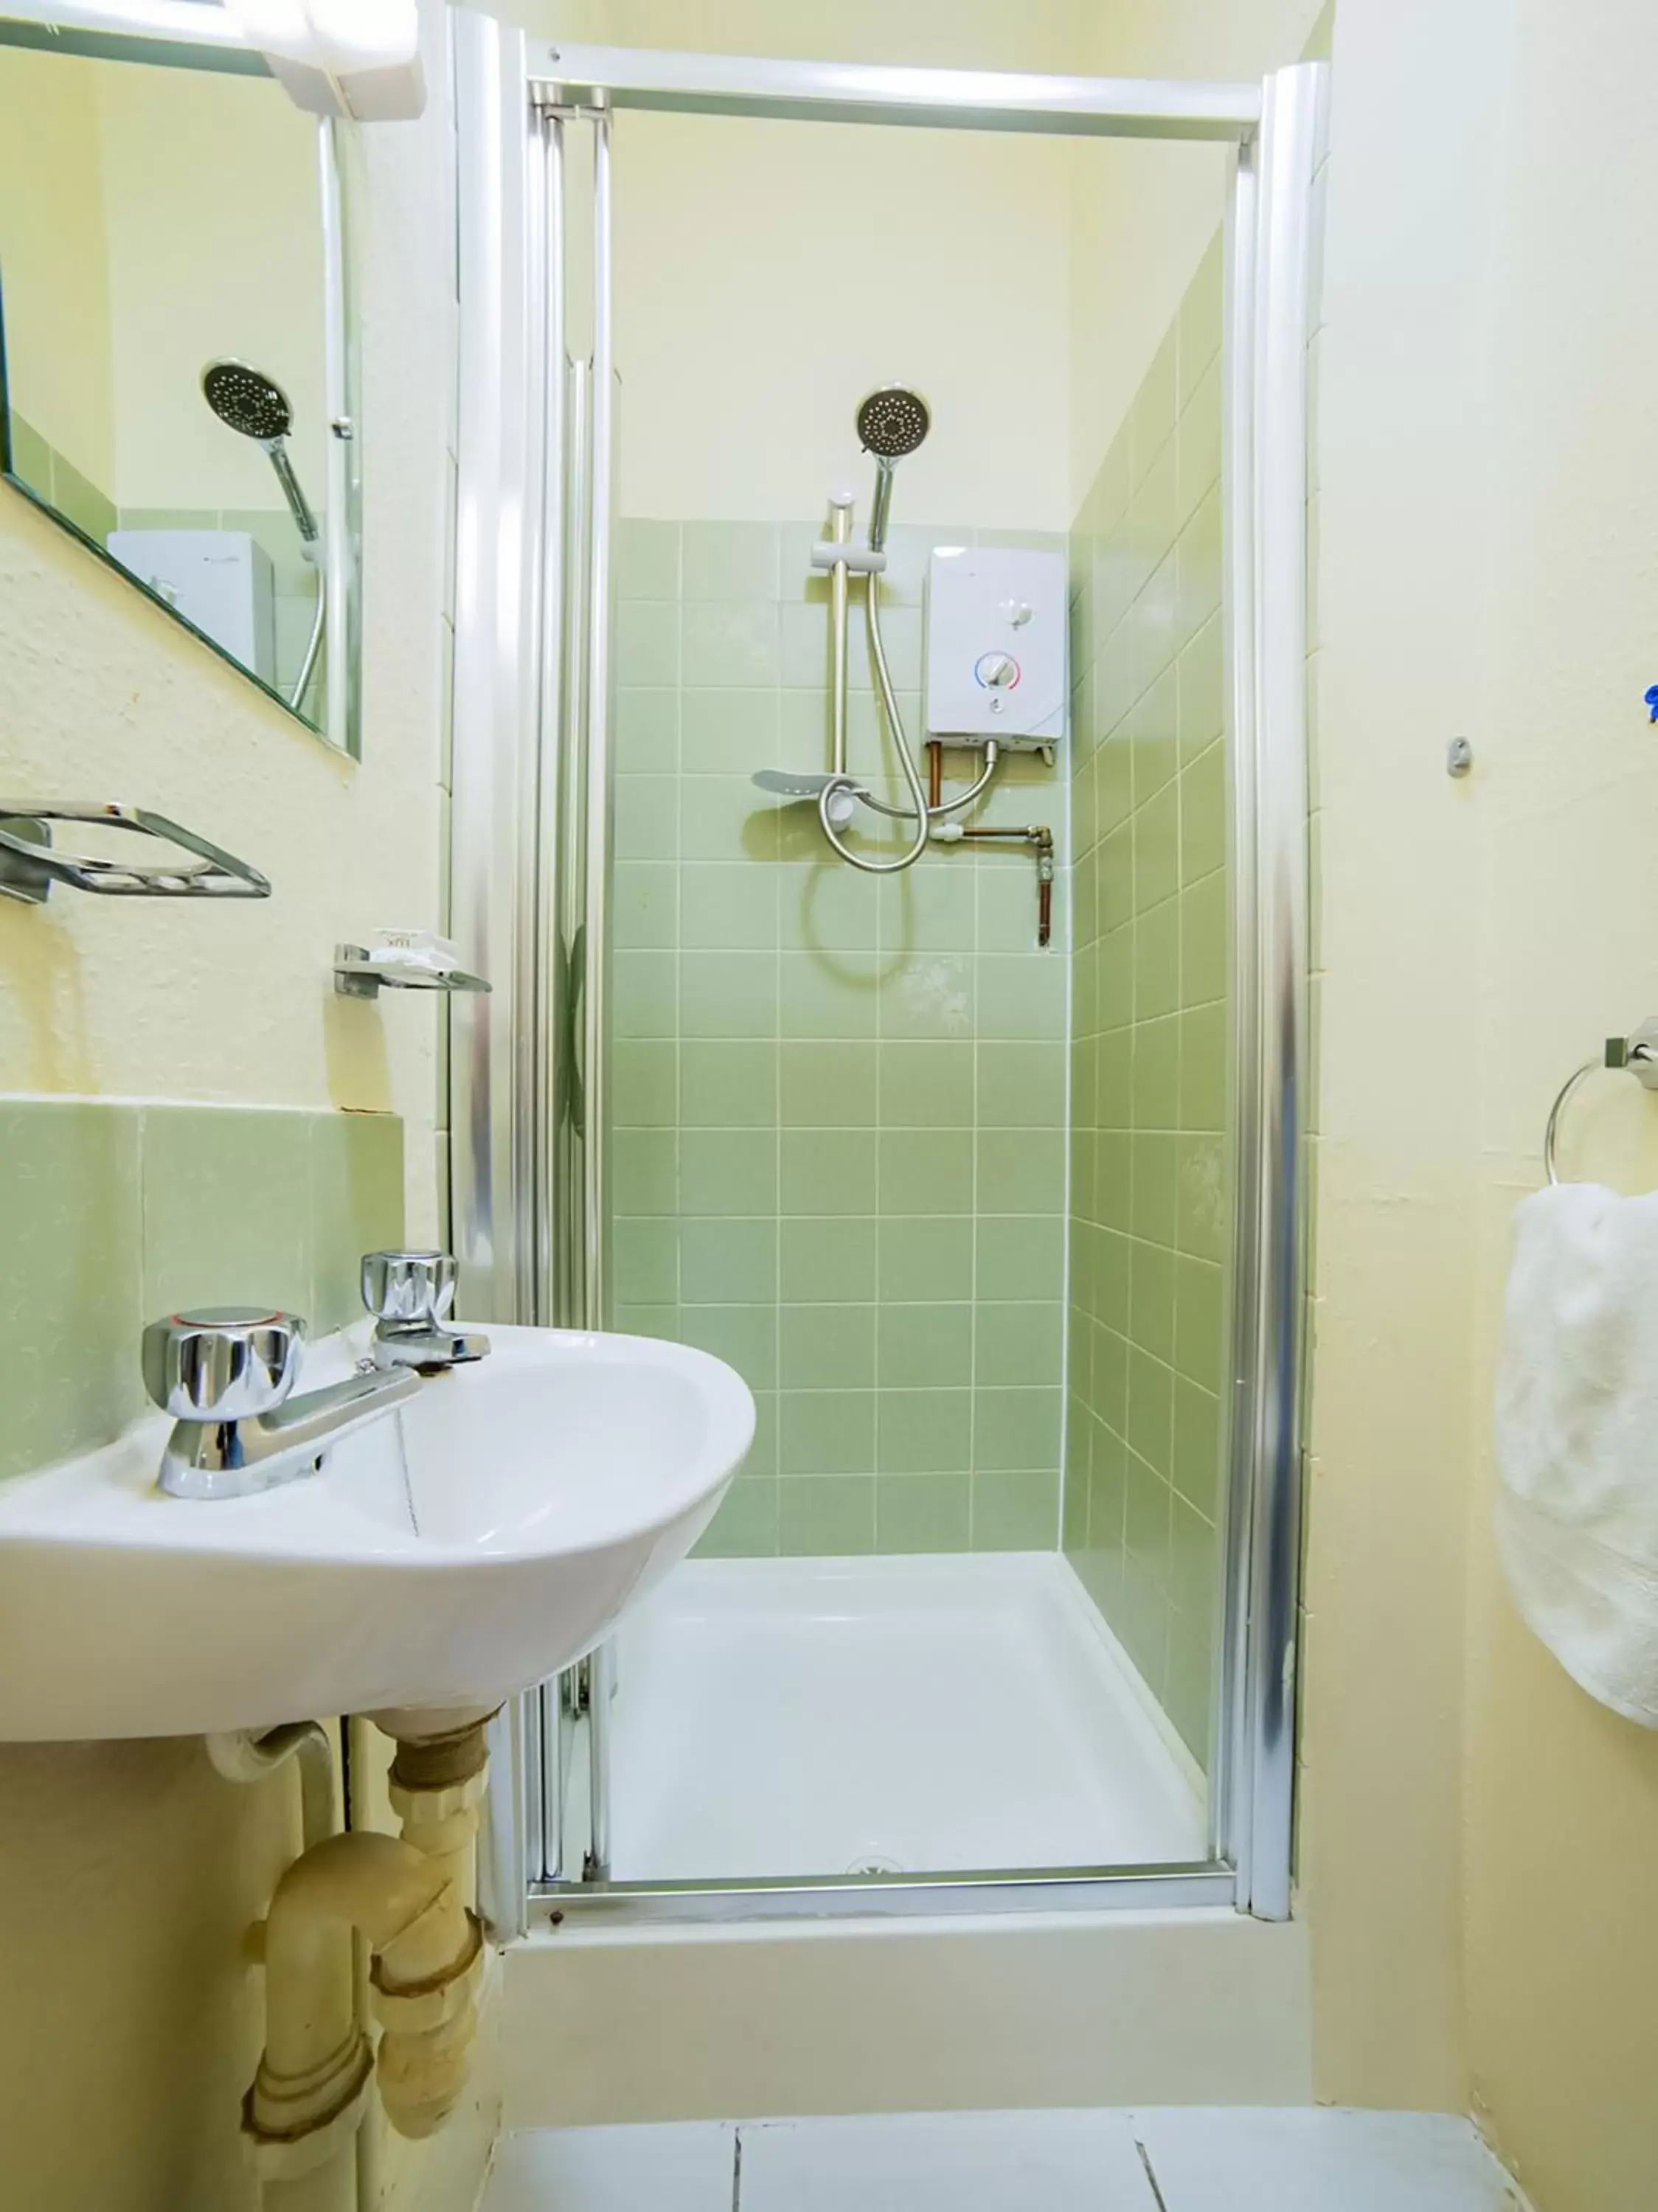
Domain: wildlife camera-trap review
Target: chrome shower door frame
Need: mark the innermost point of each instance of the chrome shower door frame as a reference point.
(530, 845)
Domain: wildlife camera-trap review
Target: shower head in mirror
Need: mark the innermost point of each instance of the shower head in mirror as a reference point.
(255, 406)
(246, 400)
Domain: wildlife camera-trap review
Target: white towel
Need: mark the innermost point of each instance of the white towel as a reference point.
(1577, 1437)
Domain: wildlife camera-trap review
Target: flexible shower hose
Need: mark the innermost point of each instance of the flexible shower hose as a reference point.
(921, 814)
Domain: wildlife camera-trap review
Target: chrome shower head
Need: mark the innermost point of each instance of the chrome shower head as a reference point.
(892, 421)
(246, 400)
(255, 406)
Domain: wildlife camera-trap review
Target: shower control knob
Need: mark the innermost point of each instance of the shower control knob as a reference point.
(996, 671)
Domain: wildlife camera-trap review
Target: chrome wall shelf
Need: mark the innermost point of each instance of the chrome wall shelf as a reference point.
(29, 865)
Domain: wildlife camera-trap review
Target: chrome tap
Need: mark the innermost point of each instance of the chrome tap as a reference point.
(225, 1374)
(410, 1295)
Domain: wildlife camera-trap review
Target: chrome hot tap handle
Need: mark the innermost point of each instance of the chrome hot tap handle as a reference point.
(409, 1290)
(221, 1363)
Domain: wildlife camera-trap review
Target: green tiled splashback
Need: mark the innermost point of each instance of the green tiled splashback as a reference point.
(1150, 1196)
(117, 1212)
(840, 1101)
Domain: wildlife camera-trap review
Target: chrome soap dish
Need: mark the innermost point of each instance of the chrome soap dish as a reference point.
(400, 960)
(30, 865)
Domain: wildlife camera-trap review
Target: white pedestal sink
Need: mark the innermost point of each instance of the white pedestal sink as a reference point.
(476, 1539)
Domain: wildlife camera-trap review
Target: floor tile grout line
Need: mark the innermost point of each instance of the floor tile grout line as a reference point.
(736, 2170)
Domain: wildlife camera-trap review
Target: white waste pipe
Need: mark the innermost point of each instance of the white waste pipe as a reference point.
(313, 2075)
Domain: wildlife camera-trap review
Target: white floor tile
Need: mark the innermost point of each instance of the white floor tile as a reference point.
(1241, 2160)
(945, 2162)
(658, 2169)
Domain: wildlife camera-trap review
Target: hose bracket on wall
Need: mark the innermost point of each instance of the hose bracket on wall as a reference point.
(29, 866)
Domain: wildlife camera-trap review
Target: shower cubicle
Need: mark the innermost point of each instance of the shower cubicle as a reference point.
(897, 918)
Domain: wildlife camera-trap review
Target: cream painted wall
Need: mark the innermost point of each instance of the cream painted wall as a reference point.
(768, 274)
(1477, 1833)
(124, 275)
(215, 246)
(1142, 215)
(128, 1872)
(53, 257)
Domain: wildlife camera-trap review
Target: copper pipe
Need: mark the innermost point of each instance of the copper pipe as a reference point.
(1041, 839)
(935, 772)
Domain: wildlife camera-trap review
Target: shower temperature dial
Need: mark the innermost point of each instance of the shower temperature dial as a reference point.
(996, 671)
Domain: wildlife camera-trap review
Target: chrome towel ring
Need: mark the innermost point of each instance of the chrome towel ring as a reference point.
(1637, 1054)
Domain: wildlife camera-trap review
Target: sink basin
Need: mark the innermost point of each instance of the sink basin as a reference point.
(476, 1539)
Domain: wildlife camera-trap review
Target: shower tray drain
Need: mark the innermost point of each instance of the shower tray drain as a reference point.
(876, 1862)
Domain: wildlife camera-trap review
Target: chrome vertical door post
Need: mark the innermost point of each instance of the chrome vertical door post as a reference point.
(1269, 270)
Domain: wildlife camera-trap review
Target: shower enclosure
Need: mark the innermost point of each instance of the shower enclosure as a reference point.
(958, 1107)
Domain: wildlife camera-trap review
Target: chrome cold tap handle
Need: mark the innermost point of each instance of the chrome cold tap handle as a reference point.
(408, 1290)
(221, 1363)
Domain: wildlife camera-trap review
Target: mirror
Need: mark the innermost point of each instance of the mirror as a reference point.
(175, 364)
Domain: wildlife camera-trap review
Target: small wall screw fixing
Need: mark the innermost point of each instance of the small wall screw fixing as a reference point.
(1459, 757)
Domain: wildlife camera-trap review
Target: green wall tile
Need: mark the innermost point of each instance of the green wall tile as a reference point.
(1020, 1086)
(826, 1431)
(1021, 1257)
(828, 1515)
(929, 1347)
(828, 995)
(731, 560)
(644, 1082)
(827, 1348)
(647, 643)
(79, 499)
(829, 1172)
(728, 730)
(744, 1336)
(728, 644)
(229, 1211)
(923, 1513)
(1016, 1512)
(72, 1306)
(745, 1526)
(647, 723)
(725, 1086)
(926, 1257)
(1016, 1429)
(726, 1171)
(29, 454)
(119, 1214)
(927, 1086)
(925, 1171)
(645, 1254)
(1020, 1344)
(357, 1198)
(827, 1260)
(727, 1263)
(828, 1085)
(647, 560)
(1021, 1171)
(923, 1431)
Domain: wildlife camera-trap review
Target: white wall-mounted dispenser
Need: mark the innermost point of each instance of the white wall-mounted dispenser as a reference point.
(997, 658)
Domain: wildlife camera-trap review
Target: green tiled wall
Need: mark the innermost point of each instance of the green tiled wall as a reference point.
(294, 580)
(45, 469)
(1150, 1202)
(839, 1102)
(115, 1213)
